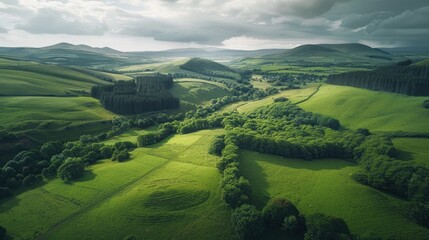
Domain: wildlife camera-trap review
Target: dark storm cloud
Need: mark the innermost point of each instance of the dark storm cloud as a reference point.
(393, 22)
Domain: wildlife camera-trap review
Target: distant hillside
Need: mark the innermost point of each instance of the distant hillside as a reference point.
(399, 78)
(423, 63)
(73, 55)
(19, 78)
(210, 68)
(331, 53)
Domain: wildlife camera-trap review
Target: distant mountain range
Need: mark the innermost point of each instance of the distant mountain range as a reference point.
(83, 55)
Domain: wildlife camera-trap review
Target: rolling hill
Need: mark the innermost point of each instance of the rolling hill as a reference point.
(332, 53)
(210, 68)
(377, 111)
(19, 78)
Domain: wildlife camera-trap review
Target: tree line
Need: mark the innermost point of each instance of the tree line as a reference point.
(144, 94)
(400, 78)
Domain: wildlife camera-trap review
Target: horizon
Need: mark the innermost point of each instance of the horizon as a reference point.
(156, 25)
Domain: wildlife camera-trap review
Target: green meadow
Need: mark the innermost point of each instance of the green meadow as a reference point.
(325, 186)
(166, 191)
(377, 111)
(19, 78)
(198, 91)
(40, 115)
(413, 149)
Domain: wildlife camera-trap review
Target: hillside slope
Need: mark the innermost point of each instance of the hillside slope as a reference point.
(377, 111)
(210, 68)
(332, 53)
(19, 78)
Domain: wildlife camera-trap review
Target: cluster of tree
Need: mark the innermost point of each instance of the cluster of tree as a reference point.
(235, 188)
(217, 145)
(195, 124)
(145, 94)
(426, 103)
(381, 171)
(290, 112)
(210, 68)
(410, 80)
(292, 80)
(280, 214)
(150, 138)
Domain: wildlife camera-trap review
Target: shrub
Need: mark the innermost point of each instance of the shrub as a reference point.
(5, 192)
(217, 145)
(30, 180)
(275, 212)
(322, 227)
(73, 168)
(247, 222)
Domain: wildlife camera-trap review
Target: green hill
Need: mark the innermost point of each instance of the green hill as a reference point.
(19, 78)
(198, 91)
(323, 53)
(210, 68)
(377, 111)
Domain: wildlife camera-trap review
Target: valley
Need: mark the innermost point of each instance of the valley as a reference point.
(101, 150)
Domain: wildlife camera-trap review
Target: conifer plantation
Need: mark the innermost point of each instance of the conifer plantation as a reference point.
(144, 94)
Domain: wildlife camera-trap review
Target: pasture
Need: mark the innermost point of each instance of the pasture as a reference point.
(166, 191)
(413, 149)
(325, 186)
(377, 111)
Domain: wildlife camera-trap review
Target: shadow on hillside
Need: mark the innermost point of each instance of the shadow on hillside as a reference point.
(258, 181)
(88, 176)
(8, 203)
(404, 155)
(314, 165)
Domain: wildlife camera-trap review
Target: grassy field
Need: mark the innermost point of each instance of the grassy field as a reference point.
(325, 186)
(198, 91)
(28, 78)
(415, 149)
(377, 111)
(40, 115)
(166, 191)
(294, 95)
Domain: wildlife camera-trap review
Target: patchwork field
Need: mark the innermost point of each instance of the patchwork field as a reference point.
(325, 186)
(167, 191)
(377, 111)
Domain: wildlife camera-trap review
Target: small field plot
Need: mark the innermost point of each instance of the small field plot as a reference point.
(377, 111)
(414, 149)
(325, 186)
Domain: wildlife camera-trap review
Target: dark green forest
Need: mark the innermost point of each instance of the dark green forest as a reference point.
(399, 78)
(145, 94)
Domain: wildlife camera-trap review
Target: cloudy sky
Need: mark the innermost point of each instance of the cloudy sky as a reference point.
(132, 25)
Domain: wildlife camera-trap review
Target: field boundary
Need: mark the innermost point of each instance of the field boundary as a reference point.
(311, 95)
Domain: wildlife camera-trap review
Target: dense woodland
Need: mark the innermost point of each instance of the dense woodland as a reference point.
(400, 78)
(145, 94)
